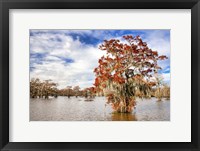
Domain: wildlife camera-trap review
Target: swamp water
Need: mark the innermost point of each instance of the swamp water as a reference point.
(76, 109)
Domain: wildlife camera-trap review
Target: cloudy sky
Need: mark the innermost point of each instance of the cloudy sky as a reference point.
(69, 57)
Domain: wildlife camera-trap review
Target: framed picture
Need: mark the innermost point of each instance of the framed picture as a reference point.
(99, 75)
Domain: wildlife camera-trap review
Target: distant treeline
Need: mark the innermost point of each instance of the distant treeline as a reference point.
(46, 88)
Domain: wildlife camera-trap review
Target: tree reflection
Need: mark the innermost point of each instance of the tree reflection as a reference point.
(123, 117)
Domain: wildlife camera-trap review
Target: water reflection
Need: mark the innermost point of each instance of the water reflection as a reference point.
(123, 117)
(77, 109)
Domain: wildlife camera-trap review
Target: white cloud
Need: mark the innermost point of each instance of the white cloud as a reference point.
(79, 72)
(157, 41)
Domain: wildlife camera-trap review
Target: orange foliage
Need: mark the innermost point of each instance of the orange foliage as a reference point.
(125, 61)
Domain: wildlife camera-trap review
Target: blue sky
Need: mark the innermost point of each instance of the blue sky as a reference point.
(68, 57)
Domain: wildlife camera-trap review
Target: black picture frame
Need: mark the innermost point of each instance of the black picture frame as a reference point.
(5, 5)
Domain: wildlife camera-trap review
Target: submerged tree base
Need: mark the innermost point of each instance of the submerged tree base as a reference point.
(124, 110)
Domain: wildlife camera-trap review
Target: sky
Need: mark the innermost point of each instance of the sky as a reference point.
(68, 57)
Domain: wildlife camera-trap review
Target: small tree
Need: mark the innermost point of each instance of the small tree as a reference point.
(48, 88)
(159, 85)
(76, 90)
(126, 69)
(166, 91)
(69, 91)
(35, 86)
(89, 93)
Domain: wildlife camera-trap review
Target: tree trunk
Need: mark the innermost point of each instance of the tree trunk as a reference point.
(126, 105)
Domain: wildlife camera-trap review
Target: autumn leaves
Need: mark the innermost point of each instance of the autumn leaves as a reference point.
(126, 69)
